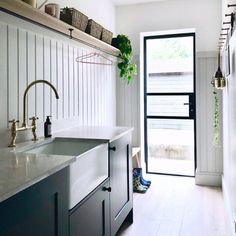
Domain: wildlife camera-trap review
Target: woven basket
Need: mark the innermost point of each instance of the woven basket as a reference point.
(106, 36)
(94, 29)
(74, 17)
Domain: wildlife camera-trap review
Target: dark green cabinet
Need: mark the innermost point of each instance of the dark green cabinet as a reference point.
(41, 209)
(104, 210)
(91, 217)
(121, 196)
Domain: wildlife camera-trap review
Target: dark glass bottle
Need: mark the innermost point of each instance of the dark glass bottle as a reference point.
(47, 128)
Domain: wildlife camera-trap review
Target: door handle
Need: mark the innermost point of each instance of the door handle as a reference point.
(112, 148)
(107, 189)
(186, 103)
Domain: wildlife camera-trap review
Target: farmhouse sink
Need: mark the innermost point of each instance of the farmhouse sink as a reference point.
(87, 172)
(65, 147)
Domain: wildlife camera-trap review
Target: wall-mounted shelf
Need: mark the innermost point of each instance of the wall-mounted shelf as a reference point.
(29, 13)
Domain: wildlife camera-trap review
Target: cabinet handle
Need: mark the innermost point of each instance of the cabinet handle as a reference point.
(107, 189)
(112, 148)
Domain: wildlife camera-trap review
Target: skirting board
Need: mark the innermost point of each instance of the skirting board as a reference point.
(208, 179)
(229, 213)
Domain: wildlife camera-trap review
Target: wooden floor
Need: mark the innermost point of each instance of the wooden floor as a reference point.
(175, 206)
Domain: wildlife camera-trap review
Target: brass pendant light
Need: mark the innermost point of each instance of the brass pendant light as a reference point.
(218, 81)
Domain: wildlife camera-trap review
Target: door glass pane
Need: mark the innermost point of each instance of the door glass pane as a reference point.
(168, 105)
(169, 65)
(170, 146)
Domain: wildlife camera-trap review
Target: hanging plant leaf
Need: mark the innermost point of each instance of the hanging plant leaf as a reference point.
(216, 125)
(125, 65)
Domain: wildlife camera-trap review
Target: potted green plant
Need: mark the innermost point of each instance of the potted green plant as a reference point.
(127, 69)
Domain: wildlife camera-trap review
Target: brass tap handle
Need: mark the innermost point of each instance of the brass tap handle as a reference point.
(13, 126)
(13, 121)
(13, 132)
(34, 118)
(34, 127)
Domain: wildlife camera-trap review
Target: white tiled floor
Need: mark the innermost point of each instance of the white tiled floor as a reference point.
(175, 206)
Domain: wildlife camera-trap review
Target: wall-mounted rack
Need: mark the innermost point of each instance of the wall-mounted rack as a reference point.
(27, 12)
(224, 29)
(219, 81)
(223, 41)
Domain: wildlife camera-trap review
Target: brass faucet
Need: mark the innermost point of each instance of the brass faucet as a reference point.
(34, 127)
(24, 125)
(13, 132)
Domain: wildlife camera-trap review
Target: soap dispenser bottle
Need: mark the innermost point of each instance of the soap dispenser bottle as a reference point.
(47, 127)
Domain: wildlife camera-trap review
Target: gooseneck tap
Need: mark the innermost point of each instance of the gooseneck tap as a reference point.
(24, 125)
(26, 91)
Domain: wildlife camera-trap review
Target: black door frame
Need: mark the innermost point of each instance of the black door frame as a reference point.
(192, 114)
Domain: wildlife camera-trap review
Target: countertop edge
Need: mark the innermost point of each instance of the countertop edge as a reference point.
(120, 135)
(31, 182)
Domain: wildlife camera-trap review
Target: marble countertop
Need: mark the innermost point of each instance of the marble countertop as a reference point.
(108, 134)
(20, 170)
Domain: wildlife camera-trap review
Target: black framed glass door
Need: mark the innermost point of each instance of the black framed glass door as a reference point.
(169, 103)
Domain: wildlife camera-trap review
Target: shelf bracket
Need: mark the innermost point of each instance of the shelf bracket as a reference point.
(70, 29)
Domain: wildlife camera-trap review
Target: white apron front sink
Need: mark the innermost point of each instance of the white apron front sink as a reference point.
(88, 171)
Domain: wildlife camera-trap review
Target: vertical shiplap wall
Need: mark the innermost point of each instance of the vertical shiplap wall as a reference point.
(128, 109)
(209, 157)
(27, 53)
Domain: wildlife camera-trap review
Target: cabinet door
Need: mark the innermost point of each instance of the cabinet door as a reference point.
(91, 217)
(42, 209)
(121, 181)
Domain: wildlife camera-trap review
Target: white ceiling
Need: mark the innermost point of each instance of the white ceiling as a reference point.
(128, 2)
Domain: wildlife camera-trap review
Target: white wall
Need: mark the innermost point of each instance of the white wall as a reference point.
(29, 52)
(229, 130)
(205, 17)
(209, 156)
(102, 11)
(127, 103)
(229, 127)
